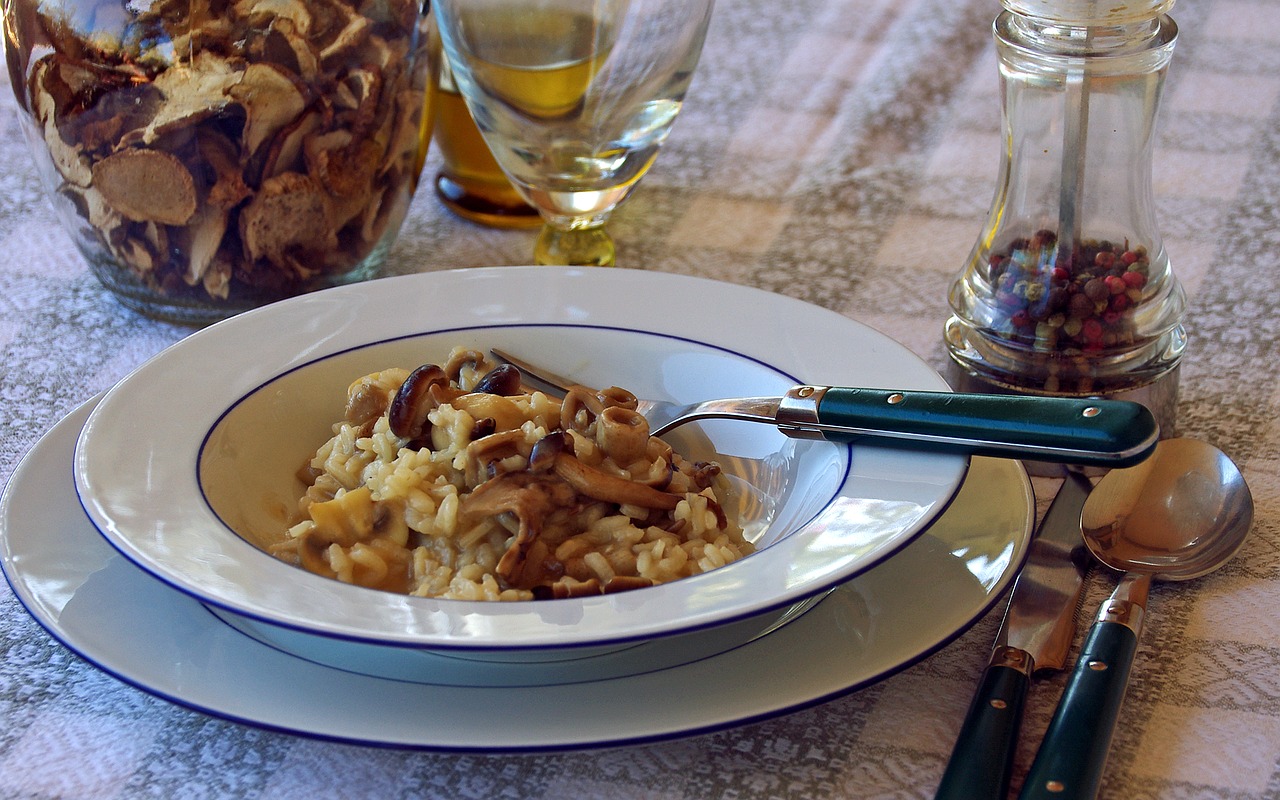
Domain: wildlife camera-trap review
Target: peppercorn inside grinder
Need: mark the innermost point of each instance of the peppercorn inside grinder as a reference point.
(1068, 290)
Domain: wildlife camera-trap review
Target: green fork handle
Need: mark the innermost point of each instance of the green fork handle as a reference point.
(1086, 431)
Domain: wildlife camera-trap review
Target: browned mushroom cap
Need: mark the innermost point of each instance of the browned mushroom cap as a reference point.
(407, 414)
(503, 379)
(611, 488)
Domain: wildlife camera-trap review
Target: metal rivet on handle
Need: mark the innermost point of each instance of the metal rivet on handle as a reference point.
(1056, 786)
(895, 398)
(1091, 411)
(1000, 704)
(804, 391)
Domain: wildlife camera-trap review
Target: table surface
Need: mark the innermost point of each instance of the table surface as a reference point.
(842, 152)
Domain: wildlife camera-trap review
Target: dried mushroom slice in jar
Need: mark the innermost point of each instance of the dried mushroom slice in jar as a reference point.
(230, 152)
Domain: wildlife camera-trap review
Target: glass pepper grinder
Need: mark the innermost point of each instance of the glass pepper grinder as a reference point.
(1068, 290)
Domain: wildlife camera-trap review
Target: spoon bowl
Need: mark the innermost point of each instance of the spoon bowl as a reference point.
(1181, 514)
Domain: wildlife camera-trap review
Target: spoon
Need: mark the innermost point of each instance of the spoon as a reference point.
(1180, 514)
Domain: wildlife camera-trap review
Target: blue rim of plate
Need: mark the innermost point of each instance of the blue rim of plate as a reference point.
(262, 719)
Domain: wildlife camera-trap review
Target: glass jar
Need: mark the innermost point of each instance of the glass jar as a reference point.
(209, 156)
(1068, 290)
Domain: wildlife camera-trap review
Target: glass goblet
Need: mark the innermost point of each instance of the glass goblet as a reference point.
(574, 99)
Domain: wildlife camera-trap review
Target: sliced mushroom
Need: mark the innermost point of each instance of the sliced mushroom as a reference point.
(264, 12)
(567, 588)
(147, 185)
(611, 488)
(289, 211)
(484, 452)
(284, 154)
(272, 100)
(203, 238)
(228, 188)
(346, 173)
(351, 36)
(193, 91)
(526, 497)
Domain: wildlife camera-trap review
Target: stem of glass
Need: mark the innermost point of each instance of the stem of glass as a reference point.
(575, 247)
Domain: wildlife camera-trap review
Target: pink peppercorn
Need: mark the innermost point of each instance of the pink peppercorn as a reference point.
(1134, 279)
(1115, 284)
(1128, 257)
(1119, 302)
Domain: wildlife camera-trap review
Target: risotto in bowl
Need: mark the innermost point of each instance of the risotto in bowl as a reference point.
(351, 476)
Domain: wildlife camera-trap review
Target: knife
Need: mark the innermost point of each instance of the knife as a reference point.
(1036, 634)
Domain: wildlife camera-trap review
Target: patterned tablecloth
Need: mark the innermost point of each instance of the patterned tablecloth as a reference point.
(843, 152)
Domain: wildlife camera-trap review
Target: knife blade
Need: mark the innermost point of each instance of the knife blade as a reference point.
(1036, 634)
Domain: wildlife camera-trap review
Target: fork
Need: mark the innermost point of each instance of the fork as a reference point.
(1064, 430)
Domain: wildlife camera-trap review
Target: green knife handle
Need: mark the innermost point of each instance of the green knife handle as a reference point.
(1073, 753)
(982, 759)
(1087, 431)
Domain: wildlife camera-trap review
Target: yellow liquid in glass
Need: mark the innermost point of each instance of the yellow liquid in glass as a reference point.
(540, 66)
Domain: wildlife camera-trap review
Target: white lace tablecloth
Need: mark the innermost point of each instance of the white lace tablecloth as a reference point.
(843, 152)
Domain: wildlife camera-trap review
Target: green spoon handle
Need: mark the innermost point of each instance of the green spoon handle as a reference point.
(982, 759)
(1074, 430)
(1072, 755)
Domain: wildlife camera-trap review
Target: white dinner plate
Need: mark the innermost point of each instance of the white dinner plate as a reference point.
(204, 441)
(134, 627)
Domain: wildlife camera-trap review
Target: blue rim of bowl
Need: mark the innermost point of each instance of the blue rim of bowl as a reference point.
(561, 278)
(445, 648)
